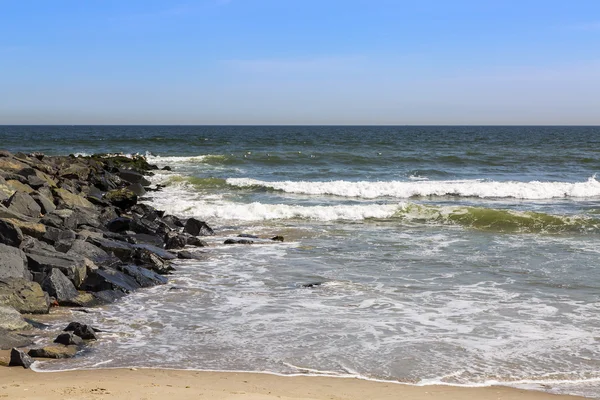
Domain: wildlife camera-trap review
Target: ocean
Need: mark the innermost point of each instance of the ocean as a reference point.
(420, 255)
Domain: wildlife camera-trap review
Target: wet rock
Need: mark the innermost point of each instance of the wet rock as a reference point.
(8, 340)
(137, 188)
(311, 284)
(238, 241)
(121, 198)
(108, 296)
(173, 240)
(119, 224)
(142, 238)
(152, 261)
(173, 222)
(13, 263)
(144, 277)
(189, 255)
(277, 239)
(11, 320)
(110, 279)
(54, 352)
(18, 358)
(85, 332)
(122, 250)
(10, 233)
(24, 296)
(69, 338)
(23, 203)
(60, 287)
(162, 253)
(194, 241)
(133, 177)
(247, 235)
(197, 228)
(144, 225)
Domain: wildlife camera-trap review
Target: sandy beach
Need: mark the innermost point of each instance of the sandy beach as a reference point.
(17, 383)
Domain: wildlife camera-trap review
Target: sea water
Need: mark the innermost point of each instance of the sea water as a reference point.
(421, 255)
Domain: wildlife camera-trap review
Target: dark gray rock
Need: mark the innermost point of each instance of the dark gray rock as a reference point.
(46, 205)
(68, 338)
(247, 235)
(13, 263)
(238, 241)
(12, 320)
(62, 240)
(88, 250)
(60, 287)
(162, 253)
(143, 225)
(23, 203)
(277, 239)
(194, 241)
(197, 228)
(137, 188)
(143, 238)
(144, 277)
(189, 255)
(121, 198)
(119, 224)
(109, 279)
(133, 177)
(122, 250)
(152, 261)
(8, 340)
(10, 234)
(85, 332)
(173, 222)
(41, 260)
(173, 240)
(108, 296)
(54, 352)
(36, 182)
(18, 358)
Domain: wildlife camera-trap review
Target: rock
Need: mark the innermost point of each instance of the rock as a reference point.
(55, 352)
(46, 205)
(137, 188)
(11, 320)
(124, 251)
(311, 284)
(120, 224)
(166, 168)
(41, 260)
(5, 190)
(143, 238)
(277, 238)
(24, 296)
(146, 226)
(59, 237)
(247, 235)
(173, 240)
(133, 177)
(32, 229)
(76, 171)
(238, 241)
(60, 287)
(23, 203)
(71, 200)
(162, 253)
(152, 261)
(194, 241)
(144, 277)
(83, 299)
(109, 279)
(13, 263)
(10, 234)
(121, 198)
(85, 332)
(68, 338)
(9, 340)
(108, 296)
(35, 182)
(88, 250)
(18, 358)
(197, 228)
(82, 216)
(188, 255)
(10, 164)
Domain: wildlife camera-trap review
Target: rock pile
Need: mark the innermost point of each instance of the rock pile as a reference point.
(72, 233)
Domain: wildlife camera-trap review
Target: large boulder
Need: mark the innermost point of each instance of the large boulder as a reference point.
(13, 263)
(152, 261)
(31, 228)
(46, 205)
(71, 200)
(10, 233)
(11, 320)
(5, 190)
(173, 240)
(68, 338)
(23, 203)
(19, 359)
(144, 277)
(122, 250)
(8, 340)
(54, 352)
(88, 250)
(162, 253)
(109, 279)
(133, 177)
(60, 287)
(24, 296)
(121, 198)
(197, 228)
(44, 261)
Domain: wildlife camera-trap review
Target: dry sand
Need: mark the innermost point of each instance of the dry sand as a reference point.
(17, 383)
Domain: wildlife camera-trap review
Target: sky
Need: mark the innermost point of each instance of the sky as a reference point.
(419, 62)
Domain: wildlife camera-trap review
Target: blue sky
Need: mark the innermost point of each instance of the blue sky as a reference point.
(299, 62)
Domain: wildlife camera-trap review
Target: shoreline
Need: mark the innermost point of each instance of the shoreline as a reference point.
(140, 383)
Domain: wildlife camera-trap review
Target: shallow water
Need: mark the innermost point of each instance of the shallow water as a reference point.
(463, 255)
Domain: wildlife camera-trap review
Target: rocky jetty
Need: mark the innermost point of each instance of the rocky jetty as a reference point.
(72, 233)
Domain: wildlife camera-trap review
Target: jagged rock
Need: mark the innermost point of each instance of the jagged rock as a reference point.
(8, 340)
(83, 299)
(108, 296)
(46, 205)
(173, 240)
(144, 277)
(32, 229)
(277, 238)
(85, 332)
(62, 240)
(88, 250)
(173, 222)
(42, 260)
(10, 233)
(55, 352)
(60, 287)
(197, 228)
(69, 338)
(121, 198)
(35, 182)
(82, 216)
(71, 200)
(76, 171)
(119, 224)
(137, 188)
(109, 279)
(162, 253)
(52, 220)
(194, 241)
(152, 261)
(23, 203)
(122, 250)
(107, 214)
(189, 255)
(143, 238)
(5, 190)
(13, 263)
(12, 165)
(11, 320)
(18, 358)
(238, 241)
(133, 177)
(24, 296)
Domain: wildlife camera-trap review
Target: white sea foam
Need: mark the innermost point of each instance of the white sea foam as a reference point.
(401, 189)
